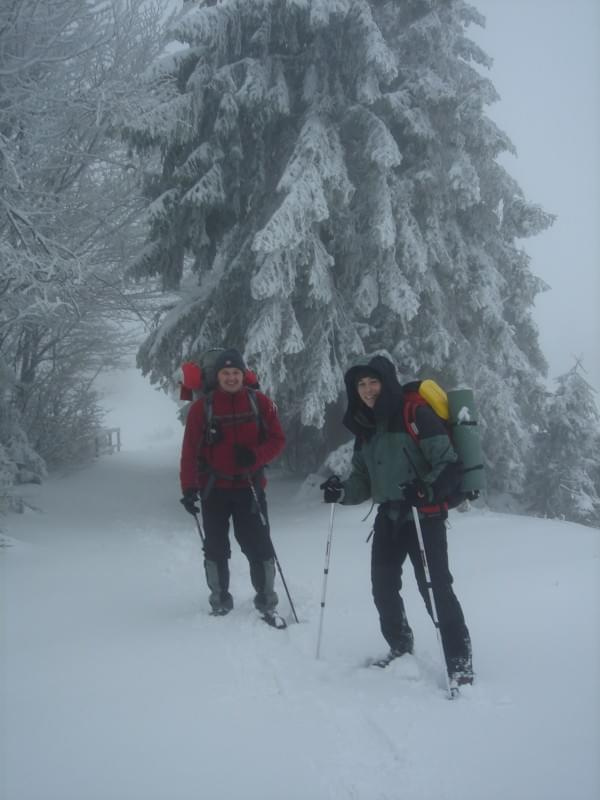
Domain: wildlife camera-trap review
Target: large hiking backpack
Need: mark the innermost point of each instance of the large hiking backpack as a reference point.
(456, 409)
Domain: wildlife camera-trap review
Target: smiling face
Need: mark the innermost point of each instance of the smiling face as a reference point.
(369, 390)
(230, 379)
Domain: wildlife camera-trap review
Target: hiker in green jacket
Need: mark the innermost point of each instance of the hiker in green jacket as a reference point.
(397, 473)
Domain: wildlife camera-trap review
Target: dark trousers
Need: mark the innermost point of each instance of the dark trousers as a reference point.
(392, 542)
(251, 530)
(251, 533)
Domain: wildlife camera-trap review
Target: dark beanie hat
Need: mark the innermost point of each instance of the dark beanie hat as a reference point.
(365, 372)
(230, 358)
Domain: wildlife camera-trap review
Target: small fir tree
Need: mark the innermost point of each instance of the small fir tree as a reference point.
(564, 475)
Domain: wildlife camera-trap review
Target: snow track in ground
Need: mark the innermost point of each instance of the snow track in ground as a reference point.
(118, 685)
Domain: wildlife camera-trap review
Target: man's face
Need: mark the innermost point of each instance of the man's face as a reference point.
(369, 390)
(230, 379)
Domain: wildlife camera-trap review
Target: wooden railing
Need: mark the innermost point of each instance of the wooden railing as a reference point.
(108, 440)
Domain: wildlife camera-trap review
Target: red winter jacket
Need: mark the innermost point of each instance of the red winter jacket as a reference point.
(237, 424)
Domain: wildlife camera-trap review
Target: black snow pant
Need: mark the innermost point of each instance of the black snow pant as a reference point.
(252, 534)
(392, 542)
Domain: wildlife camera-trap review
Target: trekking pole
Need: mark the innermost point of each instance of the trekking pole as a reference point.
(264, 522)
(200, 531)
(325, 574)
(285, 586)
(451, 690)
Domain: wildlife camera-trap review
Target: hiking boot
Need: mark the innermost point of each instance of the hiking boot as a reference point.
(274, 619)
(217, 578)
(393, 654)
(221, 605)
(219, 611)
(264, 603)
(460, 671)
(405, 644)
(462, 678)
(262, 574)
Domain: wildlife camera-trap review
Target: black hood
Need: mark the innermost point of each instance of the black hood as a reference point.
(359, 418)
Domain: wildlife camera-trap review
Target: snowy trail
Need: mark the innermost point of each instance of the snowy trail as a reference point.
(117, 685)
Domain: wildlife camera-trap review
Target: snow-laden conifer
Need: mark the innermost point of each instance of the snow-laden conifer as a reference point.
(564, 473)
(359, 206)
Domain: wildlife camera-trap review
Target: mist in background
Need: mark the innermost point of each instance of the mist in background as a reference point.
(547, 71)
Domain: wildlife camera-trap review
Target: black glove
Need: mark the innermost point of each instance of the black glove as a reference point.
(188, 501)
(416, 493)
(332, 490)
(244, 456)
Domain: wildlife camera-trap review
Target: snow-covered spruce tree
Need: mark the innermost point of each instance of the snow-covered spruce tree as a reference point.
(564, 473)
(327, 186)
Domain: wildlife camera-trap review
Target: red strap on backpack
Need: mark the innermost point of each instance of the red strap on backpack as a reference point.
(412, 400)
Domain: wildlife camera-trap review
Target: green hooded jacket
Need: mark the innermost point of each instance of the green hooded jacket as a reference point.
(385, 454)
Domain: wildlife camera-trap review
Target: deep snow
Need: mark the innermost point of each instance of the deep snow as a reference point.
(117, 685)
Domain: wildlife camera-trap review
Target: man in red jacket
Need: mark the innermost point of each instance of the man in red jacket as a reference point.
(230, 435)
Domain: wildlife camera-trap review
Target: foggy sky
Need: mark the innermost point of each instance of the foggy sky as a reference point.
(547, 71)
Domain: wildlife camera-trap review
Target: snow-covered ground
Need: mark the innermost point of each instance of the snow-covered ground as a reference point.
(117, 685)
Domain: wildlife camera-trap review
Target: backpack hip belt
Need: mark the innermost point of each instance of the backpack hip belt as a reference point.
(251, 478)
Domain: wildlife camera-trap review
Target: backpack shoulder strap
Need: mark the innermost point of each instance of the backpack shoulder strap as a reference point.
(262, 429)
(208, 415)
(253, 400)
(254, 406)
(412, 400)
